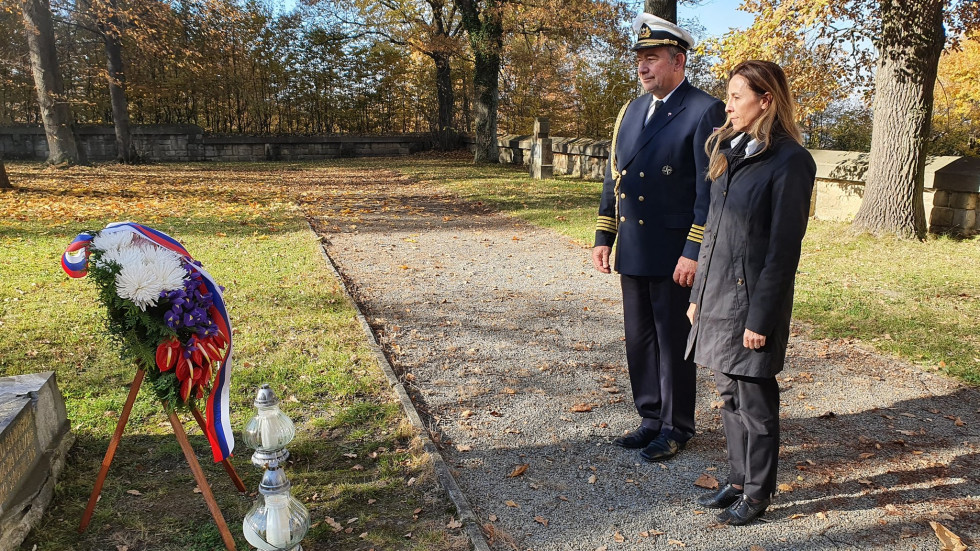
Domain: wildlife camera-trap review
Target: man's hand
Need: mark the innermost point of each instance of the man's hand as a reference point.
(600, 258)
(753, 340)
(684, 272)
(691, 310)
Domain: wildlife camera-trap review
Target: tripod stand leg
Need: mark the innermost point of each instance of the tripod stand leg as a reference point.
(110, 453)
(202, 482)
(229, 468)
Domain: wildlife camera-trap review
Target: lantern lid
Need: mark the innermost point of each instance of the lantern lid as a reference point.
(265, 397)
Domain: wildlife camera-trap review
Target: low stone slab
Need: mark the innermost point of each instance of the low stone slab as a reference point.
(34, 440)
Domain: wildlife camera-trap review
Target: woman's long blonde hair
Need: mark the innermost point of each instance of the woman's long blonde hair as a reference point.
(763, 77)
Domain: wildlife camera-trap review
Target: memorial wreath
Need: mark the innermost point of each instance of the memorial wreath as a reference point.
(166, 313)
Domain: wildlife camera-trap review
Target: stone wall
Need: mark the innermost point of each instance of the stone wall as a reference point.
(951, 196)
(191, 143)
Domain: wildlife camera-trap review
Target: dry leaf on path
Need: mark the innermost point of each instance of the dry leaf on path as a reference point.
(618, 538)
(707, 481)
(582, 408)
(464, 447)
(678, 543)
(592, 479)
(541, 520)
(950, 541)
(518, 470)
(785, 487)
(454, 524)
(510, 503)
(757, 548)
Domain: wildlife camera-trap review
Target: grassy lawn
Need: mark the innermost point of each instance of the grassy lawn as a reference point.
(916, 300)
(355, 459)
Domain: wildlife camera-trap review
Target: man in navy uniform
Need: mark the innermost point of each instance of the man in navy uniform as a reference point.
(654, 206)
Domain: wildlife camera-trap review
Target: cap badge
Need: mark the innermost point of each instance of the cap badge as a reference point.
(667, 170)
(645, 32)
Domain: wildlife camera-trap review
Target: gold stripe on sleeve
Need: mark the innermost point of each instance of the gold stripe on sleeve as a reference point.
(606, 224)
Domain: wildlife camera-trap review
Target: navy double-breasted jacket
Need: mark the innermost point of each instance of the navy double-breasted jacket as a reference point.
(748, 261)
(656, 213)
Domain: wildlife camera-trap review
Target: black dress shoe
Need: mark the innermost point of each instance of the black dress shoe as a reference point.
(636, 439)
(743, 511)
(661, 448)
(721, 499)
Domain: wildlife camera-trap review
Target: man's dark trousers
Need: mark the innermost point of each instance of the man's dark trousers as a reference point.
(663, 381)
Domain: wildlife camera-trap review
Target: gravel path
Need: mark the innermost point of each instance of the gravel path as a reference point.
(510, 344)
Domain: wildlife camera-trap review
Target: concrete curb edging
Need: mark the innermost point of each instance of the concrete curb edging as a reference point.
(466, 515)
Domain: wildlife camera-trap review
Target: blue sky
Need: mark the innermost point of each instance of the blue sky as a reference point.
(717, 16)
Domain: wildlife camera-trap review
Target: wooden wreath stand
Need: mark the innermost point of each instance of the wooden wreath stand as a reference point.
(185, 445)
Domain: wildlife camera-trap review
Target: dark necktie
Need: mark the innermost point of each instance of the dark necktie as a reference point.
(656, 106)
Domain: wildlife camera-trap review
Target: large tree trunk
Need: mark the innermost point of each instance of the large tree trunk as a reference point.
(111, 29)
(486, 39)
(911, 43)
(4, 181)
(662, 8)
(55, 113)
(444, 92)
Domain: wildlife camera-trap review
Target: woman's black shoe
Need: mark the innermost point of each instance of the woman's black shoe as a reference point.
(721, 499)
(743, 511)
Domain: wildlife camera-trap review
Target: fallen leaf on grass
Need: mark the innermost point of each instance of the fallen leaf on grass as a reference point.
(950, 541)
(582, 408)
(334, 524)
(350, 455)
(454, 524)
(707, 481)
(541, 520)
(134, 492)
(518, 471)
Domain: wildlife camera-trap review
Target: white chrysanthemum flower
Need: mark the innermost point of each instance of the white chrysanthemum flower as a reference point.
(165, 266)
(122, 257)
(112, 241)
(138, 283)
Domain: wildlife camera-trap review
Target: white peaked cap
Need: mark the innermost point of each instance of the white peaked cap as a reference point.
(652, 31)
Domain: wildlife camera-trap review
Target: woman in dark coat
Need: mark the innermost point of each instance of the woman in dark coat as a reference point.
(742, 298)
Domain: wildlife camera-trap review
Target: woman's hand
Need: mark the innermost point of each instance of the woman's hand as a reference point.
(751, 339)
(691, 310)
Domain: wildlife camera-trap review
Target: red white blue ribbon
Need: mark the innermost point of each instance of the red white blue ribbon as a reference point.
(218, 425)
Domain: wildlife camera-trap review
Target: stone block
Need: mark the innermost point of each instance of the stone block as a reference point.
(962, 200)
(941, 217)
(964, 219)
(34, 441)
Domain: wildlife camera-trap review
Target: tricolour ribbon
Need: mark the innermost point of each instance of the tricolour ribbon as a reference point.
(218, 424)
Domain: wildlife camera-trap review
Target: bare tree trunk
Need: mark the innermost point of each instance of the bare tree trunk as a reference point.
(4, 181)
(55, 113)
(444, 92)
(662, 8)
(911, 43)
(486, 39)
(112, 36)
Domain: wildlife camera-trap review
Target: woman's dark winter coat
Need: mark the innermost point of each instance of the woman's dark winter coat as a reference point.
(749, 256)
